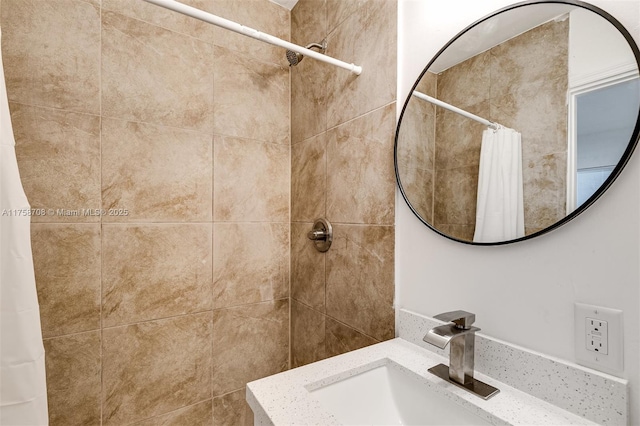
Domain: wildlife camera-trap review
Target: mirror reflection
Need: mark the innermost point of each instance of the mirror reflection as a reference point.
(519, 122)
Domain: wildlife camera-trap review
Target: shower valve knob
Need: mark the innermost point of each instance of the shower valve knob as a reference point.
(321, 234)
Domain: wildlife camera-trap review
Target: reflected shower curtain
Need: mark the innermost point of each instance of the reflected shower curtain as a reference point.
(23, 391)
(500, 207)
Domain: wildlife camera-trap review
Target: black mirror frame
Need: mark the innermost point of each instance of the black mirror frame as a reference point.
(635, 136)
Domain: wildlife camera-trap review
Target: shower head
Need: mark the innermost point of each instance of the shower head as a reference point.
(294, 58)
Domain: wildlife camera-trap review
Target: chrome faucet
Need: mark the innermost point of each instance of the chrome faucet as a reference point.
(462, 336)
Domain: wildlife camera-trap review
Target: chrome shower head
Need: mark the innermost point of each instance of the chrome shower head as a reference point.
(294, 58)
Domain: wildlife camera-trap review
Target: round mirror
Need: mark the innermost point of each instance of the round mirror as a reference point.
(520, 122)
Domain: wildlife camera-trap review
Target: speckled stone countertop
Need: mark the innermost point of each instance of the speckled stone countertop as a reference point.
(588, 393)
(285, 398)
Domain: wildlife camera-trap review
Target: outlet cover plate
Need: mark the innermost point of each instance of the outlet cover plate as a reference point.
(613, 361)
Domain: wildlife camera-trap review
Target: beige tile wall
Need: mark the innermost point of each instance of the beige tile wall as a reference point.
(342, 131)
(161, 315)
(521, 84)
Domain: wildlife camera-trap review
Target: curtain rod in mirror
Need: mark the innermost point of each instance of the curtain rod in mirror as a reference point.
(455, 109)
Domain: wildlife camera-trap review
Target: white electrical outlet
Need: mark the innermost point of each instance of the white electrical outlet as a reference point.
(598, 338)
(597, 335)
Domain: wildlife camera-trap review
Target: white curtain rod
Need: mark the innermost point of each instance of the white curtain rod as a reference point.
(457, 110)
(250, 32)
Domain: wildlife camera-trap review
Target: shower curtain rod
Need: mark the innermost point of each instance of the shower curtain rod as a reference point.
(250, 32)
(457, 110)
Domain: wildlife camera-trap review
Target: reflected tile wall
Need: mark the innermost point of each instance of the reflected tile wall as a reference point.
(416, 149)
(342, 130)
(521, 84)
(117, 103)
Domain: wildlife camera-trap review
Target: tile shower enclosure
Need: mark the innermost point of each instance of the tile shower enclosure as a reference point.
(211, 159)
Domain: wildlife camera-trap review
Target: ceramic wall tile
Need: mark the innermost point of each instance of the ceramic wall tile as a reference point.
(264, 16)
(155, 367)
(252, 180)
(308, 179)
(51, 53)
(165, 18)
(540, 54)
(455, 190)
(309, 81)
(309, 21)
(545, 190)
(340, 338)
(339, 10)
(368, 39)
(463, 232)
(307, 268)
(360, 278)
(417, 185)
(58, 156)
(249, 342)
(538, 110)
(155, 271)
(521, 84)
(66, 261)
(360, 170)
(417, 138)
(232, 410)
(138, 85)
(73, 379)
(307, 335)
(309, 78)
(200, 414)
(466, 83)
(459, 138)
(251, 98)
(153, 173)
(251, 263)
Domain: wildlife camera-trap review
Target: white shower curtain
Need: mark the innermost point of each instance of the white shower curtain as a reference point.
(500, 207)
(23, 390)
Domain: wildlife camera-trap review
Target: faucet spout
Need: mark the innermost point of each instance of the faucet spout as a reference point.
(462, 335)
(442, 335)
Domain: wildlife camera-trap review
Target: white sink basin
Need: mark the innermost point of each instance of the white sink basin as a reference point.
(391, 395)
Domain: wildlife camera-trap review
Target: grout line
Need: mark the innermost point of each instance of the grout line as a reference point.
(169, 412)
(336, 320)
(101, 230)
(47, 107)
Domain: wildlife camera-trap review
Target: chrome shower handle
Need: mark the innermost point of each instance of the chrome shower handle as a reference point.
(321, 234)
(318, 235)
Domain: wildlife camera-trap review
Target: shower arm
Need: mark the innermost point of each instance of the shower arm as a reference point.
(250, 32)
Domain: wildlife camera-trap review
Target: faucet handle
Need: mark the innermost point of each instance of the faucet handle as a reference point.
(462, 319)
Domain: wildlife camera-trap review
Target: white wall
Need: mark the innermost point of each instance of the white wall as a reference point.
(524, 292)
